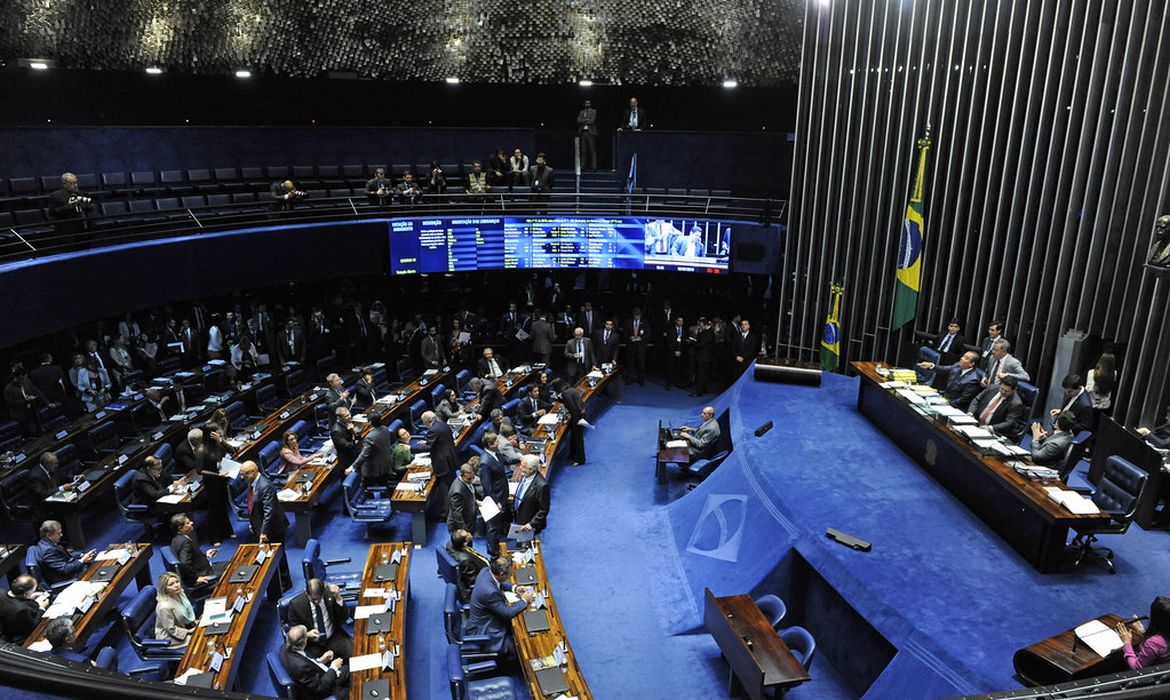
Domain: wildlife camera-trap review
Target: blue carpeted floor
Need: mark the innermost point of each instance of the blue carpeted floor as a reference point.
(948, 594)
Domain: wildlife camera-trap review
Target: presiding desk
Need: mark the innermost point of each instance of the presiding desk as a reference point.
(1009, 503)
(230, 644)
(116, 577)
(758, 660)
(539, 646)
(1112, 438)
(371, 642)
(1062, 658)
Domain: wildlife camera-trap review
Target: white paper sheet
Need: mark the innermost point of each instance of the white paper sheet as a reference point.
(288, 495)
(489, 509)
(362, 612)
(365, 662)
(1101, 639)
(229, 468)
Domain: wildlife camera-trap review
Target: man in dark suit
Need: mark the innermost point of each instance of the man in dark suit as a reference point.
(468, 562)
(543, 336)
(587, 130)
(634, 118)
(532, 496)
(588, 320)
(195, 568)
(962, 382)
(44, 480)
(337, 395)
(949, 345)
(489, 395)
(155, 411)
(491, 365)
(745, 346)
(491, 614)
(69, 207)
(322, 612)
(431, 349)
(579, 355)
(361, 333)
(704, 352)
(1049, 449)
(462, 507)
(57, 563)
(1077, 402)
(444, 459)
(606, 343)
(50, 380)
(999, 408)
(1160, 436)
(290, 343)
(23, 398)
(266, 514)
(376, 460)
(187, 451)
(531, 408)
(319, 337)
(674, 340)
(634, 331)
(541, 179)
(575, 405)
(364, 393)
(314, 677)
(20, 609)
(494, 480)
(994, 333)
(151, 484)
(344, 437)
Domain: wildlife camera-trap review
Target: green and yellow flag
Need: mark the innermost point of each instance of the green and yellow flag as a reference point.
(831, 338)
(910, 245)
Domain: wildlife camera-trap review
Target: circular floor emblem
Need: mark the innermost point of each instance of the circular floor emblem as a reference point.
(931, 451)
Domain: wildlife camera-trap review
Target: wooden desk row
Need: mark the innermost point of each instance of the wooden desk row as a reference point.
(554, 436)
(376, 643)
(1017, 508)
(537, 646)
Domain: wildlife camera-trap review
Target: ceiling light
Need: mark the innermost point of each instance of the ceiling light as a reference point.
(154, 70)
(730, 84)
(452, 80)
(243, 74)
(38, 65)
(585, 83)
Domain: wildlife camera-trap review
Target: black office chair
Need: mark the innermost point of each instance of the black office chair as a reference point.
(471, 647)
(459, 673)
(1118, 494)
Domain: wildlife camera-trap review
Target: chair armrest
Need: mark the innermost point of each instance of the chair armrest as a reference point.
(331, 562)
(1083, 490)
(154, 643)
(480, 668)
(476, 638)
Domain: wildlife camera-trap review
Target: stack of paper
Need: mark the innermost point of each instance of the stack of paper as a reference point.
(1073, 501)
(362, 612)
(73, 598)
(893, 385)
(1100, 638)
(288, 495)
(118, 556)
(549, 419)
(596, 374)
(910, 396)
(171, 498)
(974, 432)
(670, 444)
(420, 476)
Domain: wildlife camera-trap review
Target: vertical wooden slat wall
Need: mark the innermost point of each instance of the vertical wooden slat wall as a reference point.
(1050, 124)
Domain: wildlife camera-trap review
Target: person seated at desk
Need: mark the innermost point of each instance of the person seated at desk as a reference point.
(1158, 437)
(21, 607)
(61, 636)
(491, 365)
(702, 439)
(531, 409)
(364, 394)
(155, 411)
(491, 615)
(291, 458)
(448, 407)
(57, 563)
(1152, 641)
(998, 408)
(195, 567)
(402, 456)
(45, 480)
(1078, 402)
(949, 345)
(314, 677)
(468, 561)
(1049, 449)
(174, 616)
(151, 484)
(962, 379)
(322, 612)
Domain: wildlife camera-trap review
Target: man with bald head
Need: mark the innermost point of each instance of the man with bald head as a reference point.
(266, 514)
(69, 207)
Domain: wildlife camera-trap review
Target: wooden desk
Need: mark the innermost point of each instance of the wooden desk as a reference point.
(557, 433)
(302, 507)
(137, 568)
(11, 560)
(1012, 505)
(198, 654)
(758, 659)
(1054, 660)
(368, 643)
(1112, 438)
(668, 455)
(541, 644)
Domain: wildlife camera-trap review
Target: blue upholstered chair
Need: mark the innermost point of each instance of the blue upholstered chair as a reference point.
(447, 566)
(281, 680)
(1118, 494)
(313, 566)
(138, 621)
(800, 641)
(462, 688)
(773, 608)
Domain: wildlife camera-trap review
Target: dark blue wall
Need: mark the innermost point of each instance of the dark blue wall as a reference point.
(749, 164)
(35, 151)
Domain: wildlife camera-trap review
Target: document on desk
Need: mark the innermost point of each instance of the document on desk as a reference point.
(119, 556)
(1073, 501)
(1099, 637)
(171, 498)
(910, 396)
(974, 432)
(489, 509)
(671, 444)
(549, 419)
(365, 662)
(362, 612)
(288, 495)
(893, 385)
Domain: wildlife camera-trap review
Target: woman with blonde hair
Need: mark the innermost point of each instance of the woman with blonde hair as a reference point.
(174, 617)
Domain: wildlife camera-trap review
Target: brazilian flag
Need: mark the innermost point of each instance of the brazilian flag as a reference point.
(910, 246)
(831, 339)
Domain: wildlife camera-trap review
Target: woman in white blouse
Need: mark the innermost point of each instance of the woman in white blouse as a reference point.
(174, 617)
(1100, 380)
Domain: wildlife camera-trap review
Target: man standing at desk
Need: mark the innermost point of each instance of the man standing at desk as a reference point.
(532, 496)
(702, 439)
(490, 613)
(575, 405)
(266, 514)
(444, 459)
(579, 352)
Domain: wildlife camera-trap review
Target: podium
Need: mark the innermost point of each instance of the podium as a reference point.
(1058, 660)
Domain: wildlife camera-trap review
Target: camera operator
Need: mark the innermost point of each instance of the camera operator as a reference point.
(285, 196)
(69, 206)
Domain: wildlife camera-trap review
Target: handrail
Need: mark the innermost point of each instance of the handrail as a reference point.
(33, 241)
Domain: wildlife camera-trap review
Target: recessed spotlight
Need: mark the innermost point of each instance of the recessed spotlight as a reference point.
(38, 65)
(452, 80)
(243, 74)
(585, 83)
(730, 84)
(154, 70)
